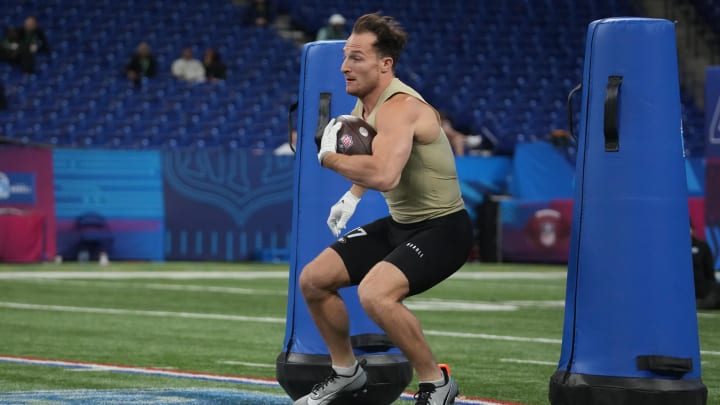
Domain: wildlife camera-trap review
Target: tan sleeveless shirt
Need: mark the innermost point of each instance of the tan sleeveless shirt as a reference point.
(428, 185)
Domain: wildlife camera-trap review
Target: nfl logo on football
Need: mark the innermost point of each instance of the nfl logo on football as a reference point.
(346, 141)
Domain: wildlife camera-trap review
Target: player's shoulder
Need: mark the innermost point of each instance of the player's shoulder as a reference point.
(403, 103)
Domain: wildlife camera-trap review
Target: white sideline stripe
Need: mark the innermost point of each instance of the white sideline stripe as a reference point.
(436, 304)
(491, 337)
(139, 370)
(222, 317)
(707, 315)
(523, 361)
(515, 275)
(130, 275)
(114, 311)
(189, 374)
(244, 363)
(248, 275)
(168, 287)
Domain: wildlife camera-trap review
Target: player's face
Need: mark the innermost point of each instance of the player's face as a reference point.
(361, 64)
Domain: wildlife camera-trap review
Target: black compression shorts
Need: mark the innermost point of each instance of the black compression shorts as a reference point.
(427, 252)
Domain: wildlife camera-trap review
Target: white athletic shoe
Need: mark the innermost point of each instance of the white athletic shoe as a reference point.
(430, 394)
(336, 386)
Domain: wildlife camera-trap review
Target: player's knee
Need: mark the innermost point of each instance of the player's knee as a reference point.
(314, 283)
(308, 282)
(372, 301)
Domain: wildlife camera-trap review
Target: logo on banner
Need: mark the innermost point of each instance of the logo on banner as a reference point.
(547, 228)
(17, 188)
(4, 186)
(714, 136)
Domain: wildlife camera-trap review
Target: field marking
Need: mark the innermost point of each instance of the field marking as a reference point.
(460, 306)
(515, 275)
(485, 336)
(115, 311)
(161, 396)
(267, 382)
(159, 275)
(166, 287)
(524, 361)
(139, 370)
(245, 363)
(247, 275)
(439, 304)
(707, 315)
(240, 318)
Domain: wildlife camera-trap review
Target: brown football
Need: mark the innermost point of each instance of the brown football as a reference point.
(355, 136)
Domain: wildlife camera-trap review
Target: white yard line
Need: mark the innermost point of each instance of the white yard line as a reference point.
(240, 318)
(485, 336)
(709, 353)
(222, 317)
(438, 304)
(523, 361)
(459, 306)
(246, 275)
(160, 275)
(167, 314)
(514, 275)
(244, 363)
(707, 315)
(168, 287)
(139, 370)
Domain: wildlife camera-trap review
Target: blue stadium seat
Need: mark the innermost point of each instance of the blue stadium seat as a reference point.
(502, 67)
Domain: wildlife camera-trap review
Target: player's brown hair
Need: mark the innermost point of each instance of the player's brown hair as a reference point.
(391, 37)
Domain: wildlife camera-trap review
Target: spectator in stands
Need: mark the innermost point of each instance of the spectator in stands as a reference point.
(334, 30)
(215, 68)
(32, 41)
(260, 13)
(707, 289)
(10, 46)
(187, 68)
(459, 141)
(142, 64)
(3, 99)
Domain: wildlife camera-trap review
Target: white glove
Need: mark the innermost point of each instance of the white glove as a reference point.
(341, 212)
(328, 143)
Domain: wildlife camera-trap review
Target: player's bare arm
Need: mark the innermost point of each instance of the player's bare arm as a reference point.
(399, 122)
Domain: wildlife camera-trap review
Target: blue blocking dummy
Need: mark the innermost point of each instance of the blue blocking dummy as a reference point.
(304, 360)
(630, 333)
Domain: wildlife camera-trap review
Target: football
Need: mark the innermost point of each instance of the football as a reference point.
(355, 136)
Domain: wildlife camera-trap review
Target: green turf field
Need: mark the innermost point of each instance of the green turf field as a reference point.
(504, 342)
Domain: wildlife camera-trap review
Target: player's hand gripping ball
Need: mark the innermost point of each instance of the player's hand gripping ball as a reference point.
(355, 136)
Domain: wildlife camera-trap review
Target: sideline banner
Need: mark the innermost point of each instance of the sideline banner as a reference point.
(712, 151)
(26, 184)
(227, 205)
(122, 188)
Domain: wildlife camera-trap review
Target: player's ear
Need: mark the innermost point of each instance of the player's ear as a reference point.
(387, 64)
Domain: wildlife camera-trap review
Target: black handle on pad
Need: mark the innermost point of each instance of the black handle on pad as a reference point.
(612, 92)
(570, 110)
(665, 365)
(292, 108)
(323, 116)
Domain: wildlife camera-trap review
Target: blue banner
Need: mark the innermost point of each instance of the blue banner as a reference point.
(17, 188)
(712, 110)
(227, 205)
(122, 189)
